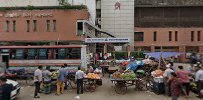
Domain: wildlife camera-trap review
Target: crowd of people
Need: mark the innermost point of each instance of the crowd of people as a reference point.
(178, 81)
(44, 76)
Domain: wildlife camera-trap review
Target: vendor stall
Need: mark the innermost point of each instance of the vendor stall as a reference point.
(127, 79)
(91, 82)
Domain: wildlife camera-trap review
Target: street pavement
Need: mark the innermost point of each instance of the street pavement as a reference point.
(104, 92)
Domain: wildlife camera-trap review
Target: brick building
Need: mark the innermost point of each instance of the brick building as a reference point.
(47, 26)
(168, 26)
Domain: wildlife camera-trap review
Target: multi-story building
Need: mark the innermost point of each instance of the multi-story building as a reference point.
(49, 25)
(168, 25)
(155, 25)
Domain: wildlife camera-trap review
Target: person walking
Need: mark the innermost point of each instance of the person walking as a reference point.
(47, 80)
(5, 89)
(175, 86)
(184, 77)
(37, 81)
(167, 75)
(199, 80)
(62, 74)
(79, 76)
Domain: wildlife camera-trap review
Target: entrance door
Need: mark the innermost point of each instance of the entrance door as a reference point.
(5, 59)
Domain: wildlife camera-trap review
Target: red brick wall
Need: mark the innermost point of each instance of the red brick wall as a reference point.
(184, 37)
(65, 23)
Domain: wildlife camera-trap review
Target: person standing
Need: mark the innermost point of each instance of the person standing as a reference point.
(79, 76)
(184, 77)
(37, 81)
(62, 74)
(175, 86)
(89, 69)
(47, 80)
(199, 80)
(167, 75)
(5, 89)
(98, 71)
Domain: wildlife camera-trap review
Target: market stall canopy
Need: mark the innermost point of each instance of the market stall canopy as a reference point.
(158, 55)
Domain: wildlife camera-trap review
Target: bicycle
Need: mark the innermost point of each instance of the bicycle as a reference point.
(71, 82)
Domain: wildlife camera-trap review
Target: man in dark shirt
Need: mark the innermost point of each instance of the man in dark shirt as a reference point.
(5, 89)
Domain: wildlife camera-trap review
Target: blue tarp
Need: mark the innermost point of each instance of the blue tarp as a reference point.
(158, 55)
(134, 65)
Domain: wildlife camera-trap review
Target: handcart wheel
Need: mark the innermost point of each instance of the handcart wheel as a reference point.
(89, 87)
(149, 85)
(120, 88)
(141, 85)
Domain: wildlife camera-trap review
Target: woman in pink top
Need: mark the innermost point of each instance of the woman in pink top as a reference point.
(184, 77)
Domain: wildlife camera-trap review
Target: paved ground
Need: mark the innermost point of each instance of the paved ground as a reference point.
(104, 92)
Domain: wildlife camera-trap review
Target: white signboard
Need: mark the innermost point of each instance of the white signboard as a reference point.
(107, 40)
(118, 48)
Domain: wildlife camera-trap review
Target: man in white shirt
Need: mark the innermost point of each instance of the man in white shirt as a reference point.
(79, 76)
(199, 80)
(167, 75)
(37, 81)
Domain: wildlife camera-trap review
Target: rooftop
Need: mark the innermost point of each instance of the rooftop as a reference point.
(166, 3)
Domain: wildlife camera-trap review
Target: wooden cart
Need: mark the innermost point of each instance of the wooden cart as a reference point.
(90, 85)
(122, 84)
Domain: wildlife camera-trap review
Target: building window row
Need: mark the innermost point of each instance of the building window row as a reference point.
(48, 24)
(170, 36)
(192, 35)
(139, 36)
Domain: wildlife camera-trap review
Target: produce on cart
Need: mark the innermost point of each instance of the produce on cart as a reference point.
(91, 82)
(125, 76)
(127, 79)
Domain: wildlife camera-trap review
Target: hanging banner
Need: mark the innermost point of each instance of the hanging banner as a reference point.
(107, 40)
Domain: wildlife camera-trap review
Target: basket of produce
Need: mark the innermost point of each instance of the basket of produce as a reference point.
(93, 76)
(124, 76)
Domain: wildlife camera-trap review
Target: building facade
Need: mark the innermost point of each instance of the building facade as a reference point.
(169, 25)
(158, 25)
(91, 4)
(117, 18)
(29, 27)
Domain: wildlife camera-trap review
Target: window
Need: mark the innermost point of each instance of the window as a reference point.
(48, 25)
(28, 25)
(34, 25)
(31, 53)
(42, 53)
(79, 28)
(139, 36)
(7, 26)
(54, 27)
(14, 26)
(176, 35)
(155, 36)
(192, 35)
(170, 36)
(19, 54)
(199, 36)
(68, 53)
(61, 53)
(74, 53)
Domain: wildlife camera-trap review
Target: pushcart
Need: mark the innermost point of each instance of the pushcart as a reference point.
(121, 85)
(90, 84)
